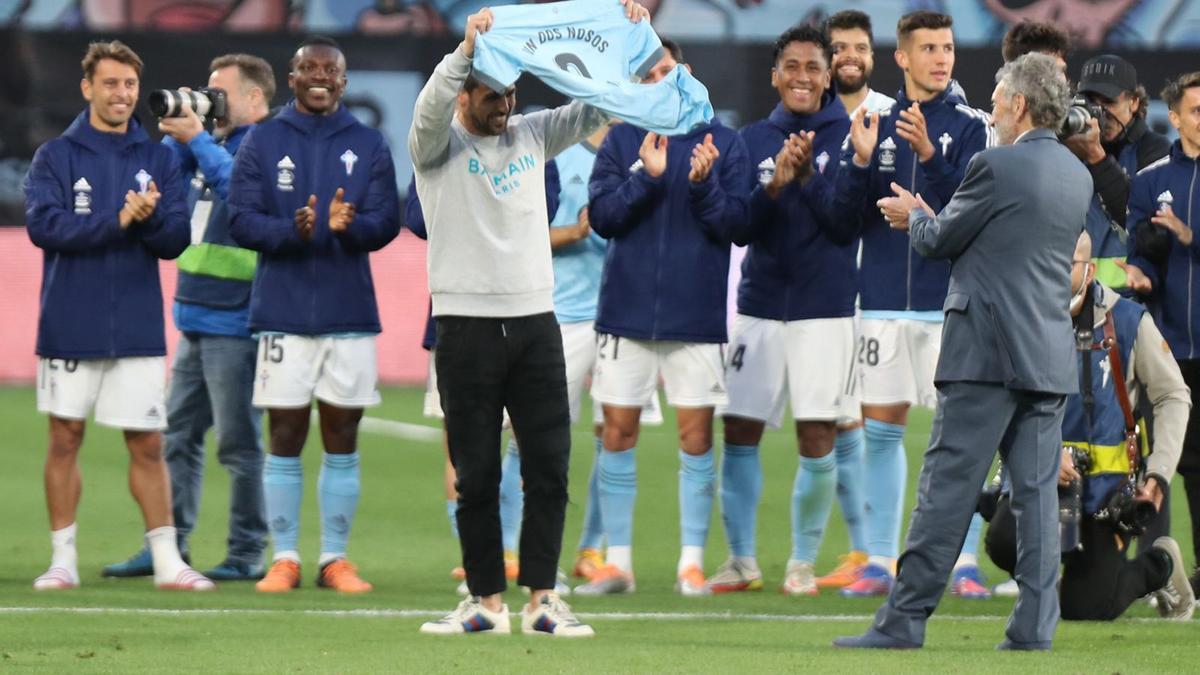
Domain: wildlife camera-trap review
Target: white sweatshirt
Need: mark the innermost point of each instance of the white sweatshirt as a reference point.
(484, 199)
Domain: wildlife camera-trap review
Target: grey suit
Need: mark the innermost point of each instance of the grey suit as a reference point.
(1006, 365)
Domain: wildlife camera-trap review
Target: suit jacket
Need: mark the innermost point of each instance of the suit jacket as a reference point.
(1010, 233)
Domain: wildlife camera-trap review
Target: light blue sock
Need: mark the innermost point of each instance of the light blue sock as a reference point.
(884, 475)
(283, 486)
(812, 499)
(697, 478)
(617, 486)
(741, 487)
(849, 450)
(452, 512)
(971, 544)
(593, 526)
(338, 487)
(512, 499)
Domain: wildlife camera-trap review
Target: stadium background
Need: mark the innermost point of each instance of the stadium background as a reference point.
(392, 45)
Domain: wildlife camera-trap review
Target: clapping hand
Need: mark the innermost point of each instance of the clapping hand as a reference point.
(653, 154)
(792, 162)
(138, 206)
(896, 209)
(704, 156)
(341, 213)
(864, 137)
(306, 218)
(1166, 219)
(911, 127)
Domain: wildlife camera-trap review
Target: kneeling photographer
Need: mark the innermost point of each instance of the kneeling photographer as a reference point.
(1108, 491)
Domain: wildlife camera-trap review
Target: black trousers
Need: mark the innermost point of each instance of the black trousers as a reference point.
(484, 366)
(1189, 463)
(1099, 582)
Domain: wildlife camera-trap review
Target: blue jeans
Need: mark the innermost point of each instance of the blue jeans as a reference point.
(212, 380)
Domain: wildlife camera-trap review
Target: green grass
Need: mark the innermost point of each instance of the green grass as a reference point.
(402, 544)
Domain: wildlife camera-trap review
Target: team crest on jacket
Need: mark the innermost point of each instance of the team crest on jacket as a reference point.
(822, 161)
(349, 158)
(945, 139)
(1165, 199)
(887, 155)
(766, 171)
(285, 179)
(83, 197)
(143, 180)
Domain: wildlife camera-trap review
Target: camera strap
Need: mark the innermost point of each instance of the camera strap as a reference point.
(1118, 374)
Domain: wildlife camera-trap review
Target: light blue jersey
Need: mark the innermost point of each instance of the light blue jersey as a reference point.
(577, 266)
(590, 51)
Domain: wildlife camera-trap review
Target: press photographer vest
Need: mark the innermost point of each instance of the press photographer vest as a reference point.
(215, 272)
(1106, 441)
(1109, 242)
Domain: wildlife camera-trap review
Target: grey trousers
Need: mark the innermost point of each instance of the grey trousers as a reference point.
(972, 420)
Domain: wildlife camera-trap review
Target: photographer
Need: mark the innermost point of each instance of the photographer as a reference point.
(1115, 145)
(1120, 356)
(212, 377)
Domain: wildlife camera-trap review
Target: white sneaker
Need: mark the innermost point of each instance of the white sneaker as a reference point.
(608, 580)
(799, 579)
(1008, 589)
(462, 588)
(1176, 600)
(552, 616)
(470, 617)
(691, 582)
(733, 576)
(57, 579)
(188, 579)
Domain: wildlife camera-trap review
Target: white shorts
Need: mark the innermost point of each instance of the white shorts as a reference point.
(579, 350)
(627, 372)
(810, 362)
(126, 393)
(580, 346)
(898, 358)
(292, 370)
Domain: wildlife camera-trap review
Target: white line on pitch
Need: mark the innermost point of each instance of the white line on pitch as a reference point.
(417, 613)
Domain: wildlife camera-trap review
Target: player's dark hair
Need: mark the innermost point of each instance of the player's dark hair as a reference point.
(920, 20)
(849, 19)
(114, 51)
(674, 48)
(252, 69)
(803, 33)
(317, 41)
(1172, 94)
(1034, 36)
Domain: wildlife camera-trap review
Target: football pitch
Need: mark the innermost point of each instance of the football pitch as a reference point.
(402, 544)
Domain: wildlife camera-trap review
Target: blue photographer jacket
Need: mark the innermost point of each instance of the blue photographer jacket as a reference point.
(322, 286)
(1173, 180)
(101, 296)
(798, 265)
(893, 275)
(667, 266)
(212, 296)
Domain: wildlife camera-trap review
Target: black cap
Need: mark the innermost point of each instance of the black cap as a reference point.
(1108, 75)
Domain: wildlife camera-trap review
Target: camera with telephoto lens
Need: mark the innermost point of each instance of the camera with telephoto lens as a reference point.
(1079, 113)
(1070, 504)
(207, 102)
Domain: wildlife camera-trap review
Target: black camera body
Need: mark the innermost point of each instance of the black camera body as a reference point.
(1079, 113)
(209, 103)
(1125, 513)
